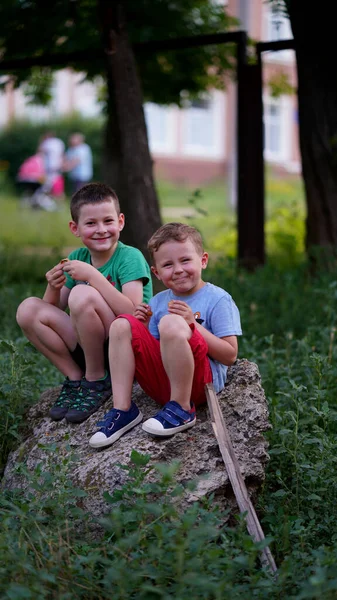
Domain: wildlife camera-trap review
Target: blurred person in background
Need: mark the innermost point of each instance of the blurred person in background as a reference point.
(52, 149)
(31, 180)
(78, 162)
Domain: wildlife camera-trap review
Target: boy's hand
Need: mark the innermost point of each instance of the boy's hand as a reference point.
(55, 277)
(79, 270)
(143, 313)
(178, 307)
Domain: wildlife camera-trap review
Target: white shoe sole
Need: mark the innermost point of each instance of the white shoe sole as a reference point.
(100, 440)
(152, 425)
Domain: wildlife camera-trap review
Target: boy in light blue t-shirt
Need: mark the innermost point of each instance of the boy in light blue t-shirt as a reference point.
(182, 339)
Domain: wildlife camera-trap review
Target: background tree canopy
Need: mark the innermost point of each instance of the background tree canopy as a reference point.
(33, 28)
(29, 29)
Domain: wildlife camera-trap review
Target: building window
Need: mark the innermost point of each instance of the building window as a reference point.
(273, 128)
(160, 128)
(204, 128)
(277, 120)
(85, 96)
(32, 112)
(277, 27)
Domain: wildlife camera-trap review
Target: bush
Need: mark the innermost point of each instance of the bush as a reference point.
(20, 139)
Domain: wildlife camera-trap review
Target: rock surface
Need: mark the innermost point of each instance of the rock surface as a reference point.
(245, 410)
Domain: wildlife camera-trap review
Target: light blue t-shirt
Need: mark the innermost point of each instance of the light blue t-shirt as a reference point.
(217, 312)
(82, 171)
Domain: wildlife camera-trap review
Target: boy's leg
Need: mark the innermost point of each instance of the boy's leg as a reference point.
(49, 329)
(91, 317)
(134, 351)
(184, 356)
(177, 357)
(122, 363)
(147, 365)
(125, 414)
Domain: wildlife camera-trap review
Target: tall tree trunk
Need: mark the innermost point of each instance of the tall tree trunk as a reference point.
(315, 41)
(127, 162)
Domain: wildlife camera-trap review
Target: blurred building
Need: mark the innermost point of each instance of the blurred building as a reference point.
(197, 143)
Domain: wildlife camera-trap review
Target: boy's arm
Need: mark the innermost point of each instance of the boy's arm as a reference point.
(56, 293)
(134, 291)
(143, 313)
(119, 302)
(224, 350)
(58, 298)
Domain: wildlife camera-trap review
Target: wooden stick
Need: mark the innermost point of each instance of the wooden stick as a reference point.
(235, 476)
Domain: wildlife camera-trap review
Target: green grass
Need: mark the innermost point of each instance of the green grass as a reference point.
(209, 210)
(25, 228)
(147, 549)
(206, 208)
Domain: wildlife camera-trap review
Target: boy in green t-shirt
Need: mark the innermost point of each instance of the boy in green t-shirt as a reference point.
(116, 278)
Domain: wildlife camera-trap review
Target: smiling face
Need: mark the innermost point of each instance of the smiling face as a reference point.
(99, 227)
(179, 266)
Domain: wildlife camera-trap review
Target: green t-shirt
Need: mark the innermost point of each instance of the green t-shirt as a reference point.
(126, 264)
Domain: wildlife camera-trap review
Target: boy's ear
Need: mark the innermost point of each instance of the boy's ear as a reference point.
(155, 272)
(121, 221)
(204, 260)
(74, 228)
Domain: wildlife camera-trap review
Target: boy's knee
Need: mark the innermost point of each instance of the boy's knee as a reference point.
(82, 298)
(27, 310)
(119, 327)
(174, 326)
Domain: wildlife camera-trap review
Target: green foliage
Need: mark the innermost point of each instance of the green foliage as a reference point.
(150, 549)
(66, 27)
(38, 89)
(144, 547)
(279, 84)
(20, 139)
(16, 389)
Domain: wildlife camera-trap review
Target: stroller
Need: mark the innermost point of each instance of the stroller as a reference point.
(31, 180)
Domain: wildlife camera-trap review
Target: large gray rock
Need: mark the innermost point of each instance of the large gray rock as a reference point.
(244, 408)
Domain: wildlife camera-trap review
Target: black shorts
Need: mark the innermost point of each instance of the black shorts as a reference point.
(79, 358)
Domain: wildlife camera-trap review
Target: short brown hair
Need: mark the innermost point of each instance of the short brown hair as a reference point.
(92, 193)
(178, 232)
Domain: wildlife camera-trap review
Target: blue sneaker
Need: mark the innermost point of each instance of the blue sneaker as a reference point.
(115, 423)
(170, 420)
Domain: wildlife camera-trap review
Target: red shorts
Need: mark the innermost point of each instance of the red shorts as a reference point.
(150, 372)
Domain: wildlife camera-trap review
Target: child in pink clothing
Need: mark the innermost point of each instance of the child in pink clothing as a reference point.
(32, 170)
